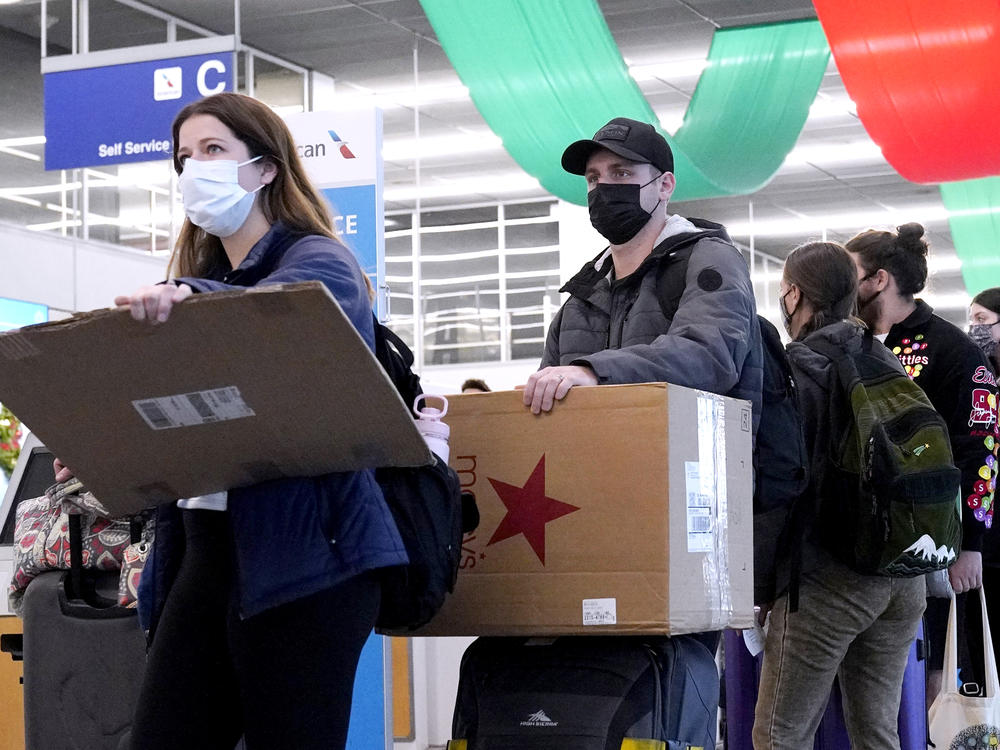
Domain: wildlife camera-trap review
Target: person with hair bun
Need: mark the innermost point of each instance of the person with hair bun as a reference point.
(955, 375)
(857, 626)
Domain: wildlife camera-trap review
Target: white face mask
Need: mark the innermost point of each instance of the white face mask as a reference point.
(213, 197)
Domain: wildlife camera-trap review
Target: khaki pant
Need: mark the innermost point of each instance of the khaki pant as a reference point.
(855, 626)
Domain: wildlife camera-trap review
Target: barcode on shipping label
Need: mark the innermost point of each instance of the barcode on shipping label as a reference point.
(699, 510)
(600, 611)
(196, 408)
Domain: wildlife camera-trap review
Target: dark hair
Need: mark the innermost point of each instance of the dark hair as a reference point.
(290, 198)
(902, 253)
(476, 383)
(989, 298)
(826, 276)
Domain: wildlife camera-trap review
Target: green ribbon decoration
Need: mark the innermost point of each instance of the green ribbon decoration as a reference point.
(544, 74)
(974, 206)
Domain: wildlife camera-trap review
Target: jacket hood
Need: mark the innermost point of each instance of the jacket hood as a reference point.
(844, 334)
(600, 266)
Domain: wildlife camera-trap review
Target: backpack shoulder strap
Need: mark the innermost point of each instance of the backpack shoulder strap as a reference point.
(672, 267)
(770, 339)
(397, 361)
(385, 337)
(671, 272)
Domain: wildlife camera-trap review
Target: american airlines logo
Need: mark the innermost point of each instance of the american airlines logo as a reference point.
(342, 144)
(539, 719)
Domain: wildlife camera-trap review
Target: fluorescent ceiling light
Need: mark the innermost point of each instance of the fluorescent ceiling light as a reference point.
(288, 109)
(28, 140)
(421, 96)
(956, 301)
(670, 122)
(11, 145)
(943, 263)
(852, 222)
(404, 149)
(39, 189)
(149, 175)
(19, 152)
(668, 70)
(831, 154)
(512, 182)
(825, 106)
(936, 263)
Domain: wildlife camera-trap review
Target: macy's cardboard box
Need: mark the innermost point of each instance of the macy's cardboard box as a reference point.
(627, 509)
(235, 388)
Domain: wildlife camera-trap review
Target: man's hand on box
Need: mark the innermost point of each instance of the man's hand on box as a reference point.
(154, 303)
(547, 386)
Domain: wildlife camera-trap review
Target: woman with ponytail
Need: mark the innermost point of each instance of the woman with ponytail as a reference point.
(857, 626)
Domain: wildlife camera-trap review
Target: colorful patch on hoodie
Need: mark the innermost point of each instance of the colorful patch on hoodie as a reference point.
(983, 419)
(912, 355)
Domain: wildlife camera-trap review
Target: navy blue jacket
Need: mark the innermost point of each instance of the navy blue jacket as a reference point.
(294, 537)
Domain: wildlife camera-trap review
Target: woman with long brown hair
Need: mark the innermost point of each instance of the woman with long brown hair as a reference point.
(847, 623)
(258, 600)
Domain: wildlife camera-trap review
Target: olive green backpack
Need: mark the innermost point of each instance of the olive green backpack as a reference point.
(890, 498)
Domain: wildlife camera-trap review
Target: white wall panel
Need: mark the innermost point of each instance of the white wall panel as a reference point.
(36, 267)
(70, 274)
(102, 273)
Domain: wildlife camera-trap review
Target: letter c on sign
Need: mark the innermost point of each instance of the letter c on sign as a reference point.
(219, 67)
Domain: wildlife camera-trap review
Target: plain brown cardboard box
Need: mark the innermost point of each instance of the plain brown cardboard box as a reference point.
(287, 385)
(627, 509)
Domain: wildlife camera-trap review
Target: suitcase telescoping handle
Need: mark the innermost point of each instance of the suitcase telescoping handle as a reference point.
(75, 557)
(79, 596)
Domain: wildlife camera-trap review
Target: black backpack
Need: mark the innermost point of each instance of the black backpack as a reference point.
(587, 693)
(426, 502)
(430, 509)
(780, 460)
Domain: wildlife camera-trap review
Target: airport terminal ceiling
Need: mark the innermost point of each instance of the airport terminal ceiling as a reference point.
(389, 47)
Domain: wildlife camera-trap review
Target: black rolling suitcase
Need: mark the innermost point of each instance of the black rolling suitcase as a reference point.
(587, 693)
(84, 658)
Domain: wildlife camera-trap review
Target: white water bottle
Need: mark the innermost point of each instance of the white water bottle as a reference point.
(434, 431)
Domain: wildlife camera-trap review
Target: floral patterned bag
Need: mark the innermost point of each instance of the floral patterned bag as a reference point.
(42, 540)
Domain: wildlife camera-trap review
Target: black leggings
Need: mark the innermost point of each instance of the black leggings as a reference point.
(283, 678)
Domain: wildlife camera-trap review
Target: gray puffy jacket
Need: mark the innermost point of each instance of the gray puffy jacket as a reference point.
(619, 329)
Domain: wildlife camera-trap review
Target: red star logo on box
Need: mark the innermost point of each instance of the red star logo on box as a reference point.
(528, 510)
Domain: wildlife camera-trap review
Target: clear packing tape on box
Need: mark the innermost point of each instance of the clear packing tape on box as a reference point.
(708, 506)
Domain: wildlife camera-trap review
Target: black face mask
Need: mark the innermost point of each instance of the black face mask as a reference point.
(863, 304)
(615, 211)
(982, 335)
(786, 317)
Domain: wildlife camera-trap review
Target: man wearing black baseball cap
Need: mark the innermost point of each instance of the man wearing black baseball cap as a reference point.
(669, 299)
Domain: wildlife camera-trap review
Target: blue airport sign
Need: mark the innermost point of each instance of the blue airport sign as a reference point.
(114, 114)
(353, 210)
